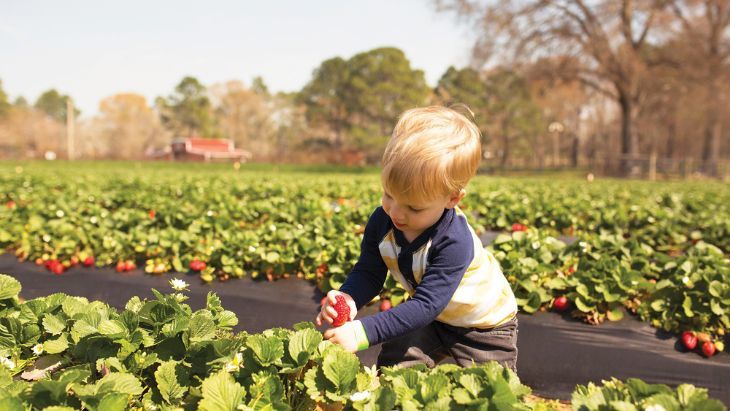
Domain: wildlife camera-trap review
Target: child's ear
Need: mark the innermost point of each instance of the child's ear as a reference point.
(455, 198)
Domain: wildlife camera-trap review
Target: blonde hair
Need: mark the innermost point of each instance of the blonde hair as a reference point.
(433, 152)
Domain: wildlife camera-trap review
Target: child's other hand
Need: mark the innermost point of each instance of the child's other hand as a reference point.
(344, 335)
(328, 313)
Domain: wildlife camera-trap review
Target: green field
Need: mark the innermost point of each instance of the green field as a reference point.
(657, 250)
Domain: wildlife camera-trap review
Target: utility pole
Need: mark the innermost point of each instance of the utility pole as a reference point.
(70, 121)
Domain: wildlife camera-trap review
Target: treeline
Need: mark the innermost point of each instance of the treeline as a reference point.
(613, 86)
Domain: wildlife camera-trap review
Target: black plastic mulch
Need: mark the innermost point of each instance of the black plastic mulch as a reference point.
(555, 352)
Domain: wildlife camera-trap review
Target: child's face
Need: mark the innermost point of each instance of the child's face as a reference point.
(413, 219)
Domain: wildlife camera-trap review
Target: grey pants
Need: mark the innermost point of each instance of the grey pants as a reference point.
(437, 341)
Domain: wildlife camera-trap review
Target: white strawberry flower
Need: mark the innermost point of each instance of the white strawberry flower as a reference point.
(178, 284)
(360, 396)
(7, 362)
(235, 363)
(38, 349)
(685, 279)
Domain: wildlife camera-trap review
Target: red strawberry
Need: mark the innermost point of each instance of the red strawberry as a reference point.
(689, 339)
(343, 311)
(152, 214)
(708, 348)
(121, 266)
(10, 204)
(704, 337)
(58, 269)
(518, 227)
(561, 303)
(571, 270)
(129, 265)
(197, 265)
(89, 261)
(74, 260)
(385, 305)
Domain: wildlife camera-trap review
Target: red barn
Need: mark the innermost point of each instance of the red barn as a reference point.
(206, 149)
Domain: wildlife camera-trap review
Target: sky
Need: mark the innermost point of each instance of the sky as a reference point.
(92, 49)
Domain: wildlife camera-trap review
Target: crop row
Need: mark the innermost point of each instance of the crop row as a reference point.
(63, 353)
(657, 251)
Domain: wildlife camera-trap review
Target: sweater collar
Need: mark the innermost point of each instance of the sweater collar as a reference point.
(446, 217)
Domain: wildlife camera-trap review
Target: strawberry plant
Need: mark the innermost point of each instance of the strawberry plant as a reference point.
(692, 294)
(635, 394)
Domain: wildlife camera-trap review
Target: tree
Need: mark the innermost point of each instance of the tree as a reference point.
(188, 110)
(514, 118)
(325, 100)
(127, 126)
(706, 36)
(243, 116)
(53, 104)
(607, 37)
(465, 86)
(4, 105)
(381, 85)
(20, 102)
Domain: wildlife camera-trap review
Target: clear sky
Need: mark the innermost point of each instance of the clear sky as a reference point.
(91, 49)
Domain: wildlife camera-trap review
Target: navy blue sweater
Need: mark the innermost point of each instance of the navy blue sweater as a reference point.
(443, 253)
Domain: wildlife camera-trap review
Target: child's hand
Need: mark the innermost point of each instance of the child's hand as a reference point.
(328, 313)
(345, 335)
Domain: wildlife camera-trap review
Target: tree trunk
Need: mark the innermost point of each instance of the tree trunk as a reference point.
(505, 146)
(629, 144)
(574, 152)
(713, 130)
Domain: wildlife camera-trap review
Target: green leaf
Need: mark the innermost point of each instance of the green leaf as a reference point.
(302, 344)
(112, 328)
(583, 307)
(168, 381)
(221, 393)
(615, 314)
(432, 387)
(11, 404)
(9, 287)
(56, 346)
(471, 383)
(134, 304)
(687, 306)
(340, 368)
(227, 319)
(53, 324)
(202, 327)
(119, 382)
(268, 350)
(113, 402)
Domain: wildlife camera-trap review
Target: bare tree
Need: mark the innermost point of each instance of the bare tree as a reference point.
(705, 30)
(607, 37)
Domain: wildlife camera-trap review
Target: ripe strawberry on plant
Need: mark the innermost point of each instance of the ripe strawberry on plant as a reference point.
(152, 214)
(89, 261)
(518, 227)
(561, 303)
(708, 349)
(689, 340)
(129, 265)
(56, 267)
(121, 266)
(10, 204)
(343, 311)
(197, 265)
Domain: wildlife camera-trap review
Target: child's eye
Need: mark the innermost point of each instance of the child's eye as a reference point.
(415, 210)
